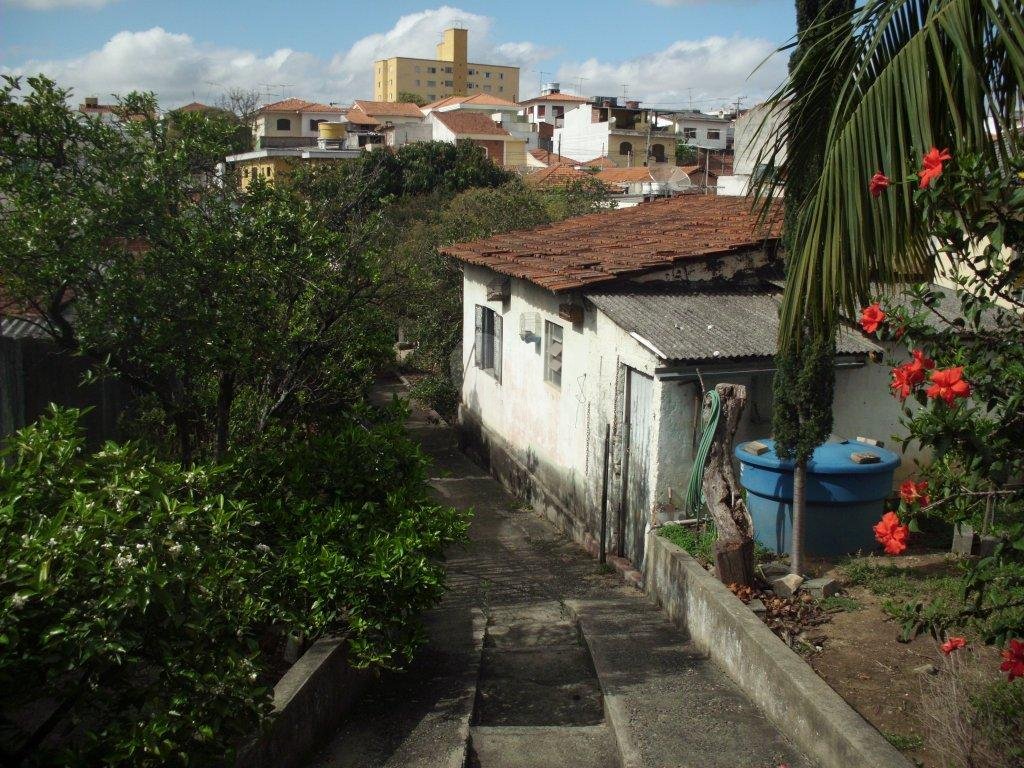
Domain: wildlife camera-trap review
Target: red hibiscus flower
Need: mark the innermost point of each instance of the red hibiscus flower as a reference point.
(879, 183)
(914, 493)
(931, 166)
(905, 377)
(952, 644)
(1013, 660)
(891, 534)
(902, 381)
(948, 384)
(871, 318)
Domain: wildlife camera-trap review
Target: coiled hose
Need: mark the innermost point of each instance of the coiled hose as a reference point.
(694, 494)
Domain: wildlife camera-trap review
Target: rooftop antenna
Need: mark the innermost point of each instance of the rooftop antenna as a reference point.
(540, 87)
(625, 87)
(579, 84)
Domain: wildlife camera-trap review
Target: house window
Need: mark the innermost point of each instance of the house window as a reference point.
(625, 148)
(284, 124)
(470, 85)
(487, 74)
(714, 135)
(315, 124)
(417, 82)
(417, 68)
(689, 133)
(431, 83)
(553, 353)
(488, 341)
(501, 75)
(558, 111)
(472, 71)
(540, 110)
(448, 70)
(501, 88)
(432, 70)
(487, 88)
(448, 83)
(658, 152)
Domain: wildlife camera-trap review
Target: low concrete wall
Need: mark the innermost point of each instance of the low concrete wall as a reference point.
(776, 679)
(309, 703)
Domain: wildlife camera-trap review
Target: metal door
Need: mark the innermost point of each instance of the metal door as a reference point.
(637, 419)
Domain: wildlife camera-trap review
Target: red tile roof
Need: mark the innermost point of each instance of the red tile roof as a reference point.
(195, 106)
(625, 175)
(388, 108)
(598, 162)
(566, 97)
(601, 247)
(481, 99)
(551, 158)
(299, 105)
(554, 175)
(358, 117)
(467, 122)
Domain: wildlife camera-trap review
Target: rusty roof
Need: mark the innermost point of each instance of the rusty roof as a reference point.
(601, 247)
(358, 117)
(388, 108)
(460, 122)
(598, 162)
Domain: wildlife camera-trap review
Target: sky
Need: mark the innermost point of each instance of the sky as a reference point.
(669, 53)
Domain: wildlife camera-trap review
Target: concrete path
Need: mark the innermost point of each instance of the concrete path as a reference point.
(574, 668)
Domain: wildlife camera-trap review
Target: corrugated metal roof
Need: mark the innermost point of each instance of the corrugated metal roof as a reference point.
(688, 326)
(19, 328)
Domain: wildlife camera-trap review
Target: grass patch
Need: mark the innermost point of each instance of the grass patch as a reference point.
(837, 603)
(699, 541)
(901, 742)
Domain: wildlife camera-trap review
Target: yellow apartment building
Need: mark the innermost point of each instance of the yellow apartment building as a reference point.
(450, 74)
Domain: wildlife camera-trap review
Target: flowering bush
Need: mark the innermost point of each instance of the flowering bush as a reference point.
(966, 374)
(143, 603)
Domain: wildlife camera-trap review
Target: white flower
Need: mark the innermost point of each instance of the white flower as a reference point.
(18, 601)
(140, 546)
(261, 547)
(174, 549)
(124, 561)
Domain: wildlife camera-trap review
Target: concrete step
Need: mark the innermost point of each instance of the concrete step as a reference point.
(542, 747)
(665, 703)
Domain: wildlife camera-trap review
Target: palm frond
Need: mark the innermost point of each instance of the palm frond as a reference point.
(905, 76)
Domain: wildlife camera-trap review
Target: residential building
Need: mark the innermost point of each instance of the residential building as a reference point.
(754, 129)
(481, 129)
(450, 74)
(91, 107)
(550, 106)
(544, 158)
(291, 123)
(392, 124)
(274, 163)
(628, 135)
(700, 130)
(615, 324)
(555, 175)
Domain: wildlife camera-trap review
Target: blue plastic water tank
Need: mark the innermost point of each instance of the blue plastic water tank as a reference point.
(844, 498)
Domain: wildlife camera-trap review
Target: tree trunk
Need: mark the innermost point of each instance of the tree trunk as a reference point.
(183, 428)
(225, 396)
(796, 547)
(734, 550)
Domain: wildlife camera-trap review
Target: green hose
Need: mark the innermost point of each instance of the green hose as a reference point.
(694, 494)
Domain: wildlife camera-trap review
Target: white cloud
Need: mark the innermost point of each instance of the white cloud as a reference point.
(711, 72)
(49, 5)
(179, 68)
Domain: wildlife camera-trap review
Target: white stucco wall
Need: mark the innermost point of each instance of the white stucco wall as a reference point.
(579, 137)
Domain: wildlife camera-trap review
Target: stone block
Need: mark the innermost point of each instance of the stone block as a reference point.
(787, 586)
(771, 571)
(965, 540)
(822, 588)
(757, 606)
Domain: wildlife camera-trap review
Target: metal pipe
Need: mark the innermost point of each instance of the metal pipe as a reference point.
(602, 556)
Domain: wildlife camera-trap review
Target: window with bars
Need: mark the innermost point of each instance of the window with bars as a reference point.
(714, 135)
(488, 341)
(553, 353)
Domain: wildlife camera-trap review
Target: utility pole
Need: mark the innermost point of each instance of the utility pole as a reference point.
(647, 150)
(690, 92)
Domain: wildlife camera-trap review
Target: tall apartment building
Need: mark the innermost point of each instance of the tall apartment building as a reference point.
(450, 74)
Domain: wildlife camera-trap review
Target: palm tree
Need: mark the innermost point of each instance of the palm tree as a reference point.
(914, 74)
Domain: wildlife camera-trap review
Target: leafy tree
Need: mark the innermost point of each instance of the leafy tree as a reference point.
(685, 154)
(447, 169)
(412, 98)
(135, 253)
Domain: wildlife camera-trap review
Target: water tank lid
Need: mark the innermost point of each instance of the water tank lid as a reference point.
(828, 459)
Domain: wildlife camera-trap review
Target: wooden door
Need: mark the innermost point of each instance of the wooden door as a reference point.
(637, 420)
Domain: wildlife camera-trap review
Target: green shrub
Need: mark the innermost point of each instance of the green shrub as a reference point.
(147, 602)
(438, 392)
